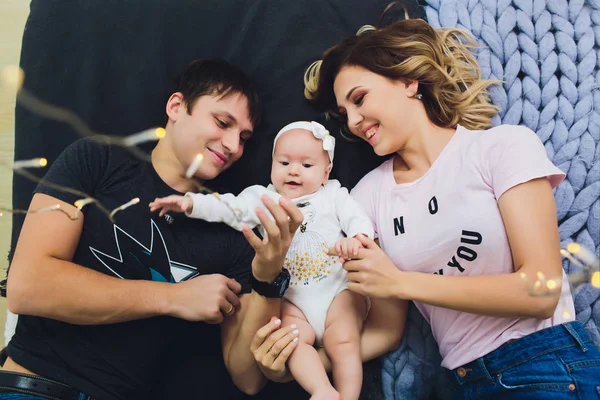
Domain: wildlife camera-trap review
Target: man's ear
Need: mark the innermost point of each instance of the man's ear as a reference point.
(175, 106)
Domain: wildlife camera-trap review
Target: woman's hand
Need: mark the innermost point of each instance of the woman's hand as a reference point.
(271, 347)
(271, 250)
(371, 273)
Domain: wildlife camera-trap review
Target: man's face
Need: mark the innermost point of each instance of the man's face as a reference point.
(216, 127)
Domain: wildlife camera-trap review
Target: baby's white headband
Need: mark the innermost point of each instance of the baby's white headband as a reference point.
(318, 130)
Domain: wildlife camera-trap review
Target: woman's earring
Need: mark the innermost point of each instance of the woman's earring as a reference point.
(419, 96)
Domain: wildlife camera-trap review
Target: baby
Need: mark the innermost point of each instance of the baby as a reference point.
(316, 301)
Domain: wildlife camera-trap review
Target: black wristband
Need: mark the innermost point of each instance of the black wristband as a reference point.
(275, 289)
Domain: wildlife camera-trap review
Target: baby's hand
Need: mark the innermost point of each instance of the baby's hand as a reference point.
(347, 248)
(172, 203)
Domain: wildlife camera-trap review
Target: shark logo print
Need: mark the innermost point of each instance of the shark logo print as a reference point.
(137, 261)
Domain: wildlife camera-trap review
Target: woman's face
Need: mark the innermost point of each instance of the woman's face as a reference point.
(379, 110)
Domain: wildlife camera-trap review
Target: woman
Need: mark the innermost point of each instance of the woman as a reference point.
(464, 214)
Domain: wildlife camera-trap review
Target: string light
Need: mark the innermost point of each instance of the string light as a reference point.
(595, 280)
(145, 136)
(587, 257)
(569, 257)
(33, 163)
(194, 166)
(587, 271)
(55, 207)
(82, 203)
(38, 106)
(124, 206)
(12, 77)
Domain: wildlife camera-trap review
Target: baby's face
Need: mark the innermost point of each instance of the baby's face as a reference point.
(300, 165)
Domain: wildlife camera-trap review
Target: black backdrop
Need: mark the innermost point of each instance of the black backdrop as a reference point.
(111, 62)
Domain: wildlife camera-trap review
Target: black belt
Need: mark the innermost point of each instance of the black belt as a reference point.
(35, 385)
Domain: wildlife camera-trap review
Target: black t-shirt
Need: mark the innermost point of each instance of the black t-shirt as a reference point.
(130, 360)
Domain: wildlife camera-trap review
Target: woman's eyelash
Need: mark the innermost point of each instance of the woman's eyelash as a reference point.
(358, 101)
(222, 124)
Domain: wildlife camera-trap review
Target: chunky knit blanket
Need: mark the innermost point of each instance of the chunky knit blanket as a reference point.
(547, 53)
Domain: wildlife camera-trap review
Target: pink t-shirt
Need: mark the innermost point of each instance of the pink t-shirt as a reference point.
(448, 222)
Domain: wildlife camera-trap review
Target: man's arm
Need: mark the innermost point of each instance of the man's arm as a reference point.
(44, 282)
(238, 331)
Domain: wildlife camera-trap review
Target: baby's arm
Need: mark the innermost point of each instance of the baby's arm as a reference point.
(353, 219)
(235, 211)
(171, 203)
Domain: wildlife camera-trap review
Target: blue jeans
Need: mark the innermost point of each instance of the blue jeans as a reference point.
(555, 363)
(8, 395)
(18, 396)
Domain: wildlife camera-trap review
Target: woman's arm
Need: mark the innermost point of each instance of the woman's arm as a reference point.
(529, 214)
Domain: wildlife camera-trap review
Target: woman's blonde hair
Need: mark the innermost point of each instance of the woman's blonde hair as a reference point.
(440, 60)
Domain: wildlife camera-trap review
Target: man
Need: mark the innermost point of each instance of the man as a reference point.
(100, 316)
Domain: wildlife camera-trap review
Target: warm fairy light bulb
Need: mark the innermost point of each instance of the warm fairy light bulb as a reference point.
(583, 254)
(551, 284)
(541, 276)
(12, 77)
(33, 163)
(145, 136)
(194, 166)
(595, 280)
(523, 276)
(83, 202)
(124, 206)
(573, 248)
(566, 314)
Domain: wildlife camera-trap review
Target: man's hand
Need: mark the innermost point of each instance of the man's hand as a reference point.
(271, 251)
(172, 203)
(207, 298)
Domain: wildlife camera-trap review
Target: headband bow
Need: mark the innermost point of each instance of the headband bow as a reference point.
(318, 131)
